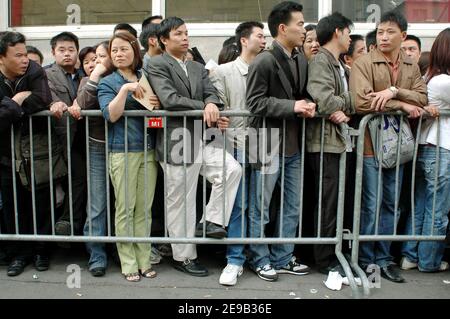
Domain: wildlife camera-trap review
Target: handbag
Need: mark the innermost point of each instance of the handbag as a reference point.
(40, 159)
(384, 132)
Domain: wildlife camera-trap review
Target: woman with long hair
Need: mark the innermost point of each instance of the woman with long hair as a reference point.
(433, 161)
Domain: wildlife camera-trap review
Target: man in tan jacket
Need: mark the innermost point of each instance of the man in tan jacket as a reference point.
(384, 80)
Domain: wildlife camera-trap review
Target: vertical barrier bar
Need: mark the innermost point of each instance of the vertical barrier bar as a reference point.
(50, 164)
(165, 175)
(319, 211)
(283, 167)
(147, 224)
(69, 164)
(263, 176)
(302, 179)
(244, 192)
(224, 177)
(203, 141)
(397, 175)
(33, 186)
(413, 178)
(88, 174)
(129, 233)
(436, 175)
(14, 180)
(380, 174)
(108, 197)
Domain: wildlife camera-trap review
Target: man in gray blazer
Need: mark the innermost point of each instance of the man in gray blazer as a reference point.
(276, 90)
(63, 80)
(185, 86)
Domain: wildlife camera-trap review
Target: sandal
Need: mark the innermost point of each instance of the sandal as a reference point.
(149, 273)
(134, 277)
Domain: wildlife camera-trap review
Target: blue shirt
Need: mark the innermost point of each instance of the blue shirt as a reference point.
(108, 89)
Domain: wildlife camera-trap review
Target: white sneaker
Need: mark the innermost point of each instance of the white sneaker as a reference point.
(230, 274)
(405, 264)
(267, 272)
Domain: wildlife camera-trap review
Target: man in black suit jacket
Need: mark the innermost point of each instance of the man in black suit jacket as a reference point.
(276, 90)
(185, 86)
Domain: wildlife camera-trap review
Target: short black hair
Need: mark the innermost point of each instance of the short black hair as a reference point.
(230, 40)
(150, 31)
(126, 27)
(281, 14)
(244, 30)
(149, 20)
(355, 38)
(310, 27)
(416, 39)
(396, 17)
(167, 25)
(10, 39)
(327, 25)
(371, 39)
(228, 53)
(64, 36)
(34, 50)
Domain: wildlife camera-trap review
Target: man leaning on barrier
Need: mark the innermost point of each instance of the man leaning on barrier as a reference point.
(328, 86)
(184, 86)
(276, 90)
(23, 91)
(384, 80)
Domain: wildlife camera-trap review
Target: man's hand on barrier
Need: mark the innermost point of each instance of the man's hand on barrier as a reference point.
(223, 123)
(58, 109)
(75, 110)
(305, 109)
(432, 110)
(380, 99)
(412, 110)
(20, 97)
(211, 114)
(339, 117)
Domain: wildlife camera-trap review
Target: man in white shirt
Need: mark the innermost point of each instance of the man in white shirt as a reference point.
(230, 81)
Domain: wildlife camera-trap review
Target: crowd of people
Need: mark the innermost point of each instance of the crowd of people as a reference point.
(308, 70)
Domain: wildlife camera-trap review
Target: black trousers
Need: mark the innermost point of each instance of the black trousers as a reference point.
(26, 221)
(79, 192)
(325, 254)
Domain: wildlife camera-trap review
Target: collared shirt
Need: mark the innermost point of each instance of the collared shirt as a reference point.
(394, 68)
(182, 64)
(230, 80)
(291, 58)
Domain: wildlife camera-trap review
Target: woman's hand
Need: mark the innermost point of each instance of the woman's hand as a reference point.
(135, 88)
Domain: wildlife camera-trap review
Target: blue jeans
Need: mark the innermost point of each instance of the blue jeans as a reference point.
(235, 253)
(280, 254)
(428, 254)
(378, 252)
(98, 204)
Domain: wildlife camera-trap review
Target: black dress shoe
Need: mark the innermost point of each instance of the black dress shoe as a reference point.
(191, 267)
(16, 267)
(212, 230)
(41, 262)
(98, 272)
(391, 274)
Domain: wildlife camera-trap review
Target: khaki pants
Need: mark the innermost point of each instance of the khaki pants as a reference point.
(133, 205)
(181, 222)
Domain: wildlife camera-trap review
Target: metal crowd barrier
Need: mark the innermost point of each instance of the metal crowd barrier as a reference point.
(354, 237)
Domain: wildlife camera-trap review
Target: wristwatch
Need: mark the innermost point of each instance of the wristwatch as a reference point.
(394, 91)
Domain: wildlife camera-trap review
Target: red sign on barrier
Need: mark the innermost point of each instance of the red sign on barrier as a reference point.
(155, 122)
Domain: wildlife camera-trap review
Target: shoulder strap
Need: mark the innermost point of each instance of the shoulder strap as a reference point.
(278, 55)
